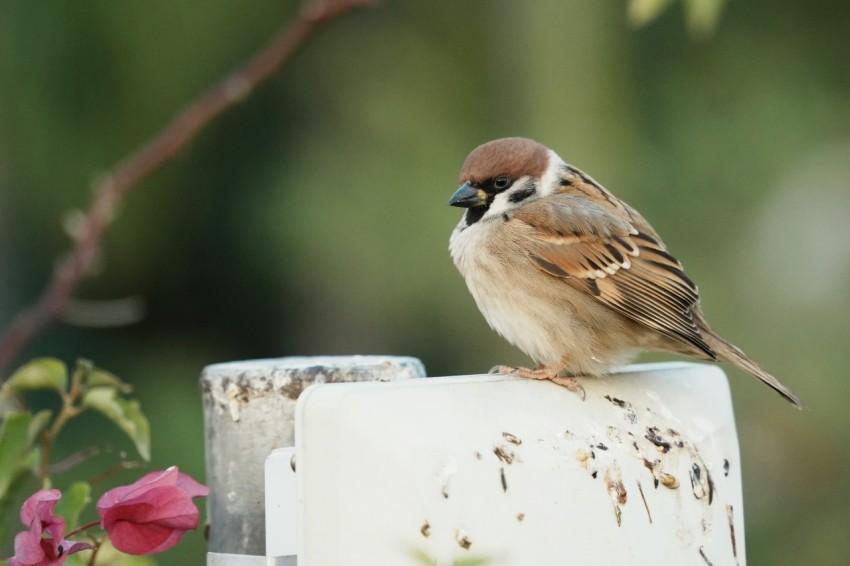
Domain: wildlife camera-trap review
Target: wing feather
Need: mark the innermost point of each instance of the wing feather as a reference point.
(619, 261)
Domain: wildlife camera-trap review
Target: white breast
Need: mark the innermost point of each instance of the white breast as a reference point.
(548, 320)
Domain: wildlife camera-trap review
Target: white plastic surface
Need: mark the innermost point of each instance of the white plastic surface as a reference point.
(281, 503)
(225, 559)
(519, 472)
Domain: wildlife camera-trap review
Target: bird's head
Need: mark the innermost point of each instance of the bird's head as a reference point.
(499, 176)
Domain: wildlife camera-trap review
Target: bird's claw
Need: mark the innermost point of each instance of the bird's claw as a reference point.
(570, 383)
(542, 373)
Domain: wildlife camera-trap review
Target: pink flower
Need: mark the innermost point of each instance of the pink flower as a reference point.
(32, 548)
(151, 514)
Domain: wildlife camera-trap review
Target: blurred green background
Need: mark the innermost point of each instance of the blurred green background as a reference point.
(312, 218)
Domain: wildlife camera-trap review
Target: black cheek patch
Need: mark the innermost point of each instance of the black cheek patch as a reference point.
(520, 196)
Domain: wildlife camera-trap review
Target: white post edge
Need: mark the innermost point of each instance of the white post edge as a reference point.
(646, 470)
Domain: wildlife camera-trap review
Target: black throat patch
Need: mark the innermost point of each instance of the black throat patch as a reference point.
(473, 215)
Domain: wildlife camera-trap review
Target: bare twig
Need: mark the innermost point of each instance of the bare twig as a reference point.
(73, 460)
(116, 469)
(110, 191)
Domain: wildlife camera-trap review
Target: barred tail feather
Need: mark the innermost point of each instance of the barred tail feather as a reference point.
(731, 353)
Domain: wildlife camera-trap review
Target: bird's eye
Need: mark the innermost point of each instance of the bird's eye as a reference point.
(502, 182)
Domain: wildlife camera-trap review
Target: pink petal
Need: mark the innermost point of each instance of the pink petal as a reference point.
(55, 527)
(143, 539)
(27, 549)
(166, 505)
(150, 521)
(37, 514)
(71, 547)
(146, 482)
(39, 506)
(151, 514)
(32, 548)
(172, 476)
(191, 487)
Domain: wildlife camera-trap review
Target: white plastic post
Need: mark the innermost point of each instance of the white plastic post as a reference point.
(646, 470)
(249, 410)
(282, 505)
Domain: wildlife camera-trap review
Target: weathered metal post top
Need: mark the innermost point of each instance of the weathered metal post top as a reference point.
(249, 410)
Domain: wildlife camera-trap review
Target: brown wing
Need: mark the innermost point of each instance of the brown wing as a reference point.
(616, 258)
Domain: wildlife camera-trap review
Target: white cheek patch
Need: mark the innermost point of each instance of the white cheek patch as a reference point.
(552, 176)
(502, 202)
(500, 205)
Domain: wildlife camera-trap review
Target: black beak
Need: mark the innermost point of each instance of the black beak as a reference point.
(468, 196)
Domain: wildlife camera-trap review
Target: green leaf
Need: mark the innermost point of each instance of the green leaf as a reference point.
(108, 555)
(74, 500)
(642, 12)
(127, 415)
(424, 559)
(702, 16)
(103, 378)
(41, 373)
(37, 424)
(16, 454)
(81, 373)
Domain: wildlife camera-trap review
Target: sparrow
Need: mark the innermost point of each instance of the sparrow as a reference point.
(570, 274)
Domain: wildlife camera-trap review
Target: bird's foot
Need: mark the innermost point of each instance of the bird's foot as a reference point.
(542, 373)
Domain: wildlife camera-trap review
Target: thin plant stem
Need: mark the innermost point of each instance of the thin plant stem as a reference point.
(116, 469)
(83, 528)
(48, 437)
(164, 146)
(97, 544)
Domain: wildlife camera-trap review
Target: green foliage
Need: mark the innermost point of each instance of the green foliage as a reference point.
(127, 415)
(75, 498)
(642, 12)
(424, 559)
(701, 16)
(42, 373)
(27, 437)
(17, 453)
(101, 378)
(108, 555)
(38, 423)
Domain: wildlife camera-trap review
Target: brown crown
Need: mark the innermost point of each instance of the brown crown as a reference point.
(514, 157)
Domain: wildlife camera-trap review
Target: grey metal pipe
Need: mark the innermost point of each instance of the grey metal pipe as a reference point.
(249, 410)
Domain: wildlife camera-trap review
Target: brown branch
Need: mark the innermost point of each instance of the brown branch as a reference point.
(110, 191)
